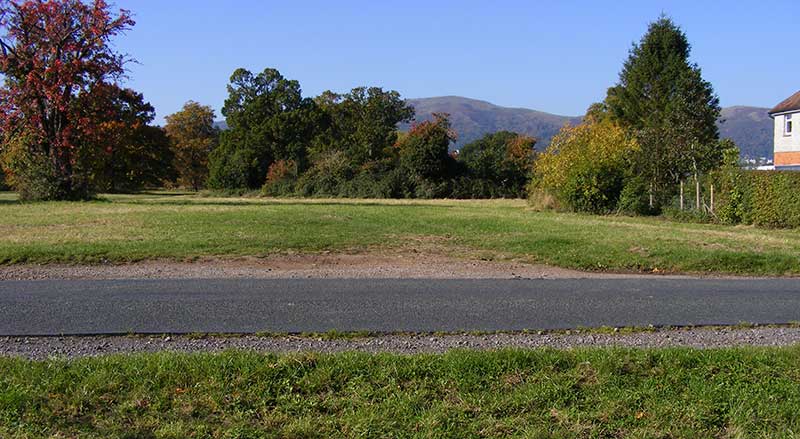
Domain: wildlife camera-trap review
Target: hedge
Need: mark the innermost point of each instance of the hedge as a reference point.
(763, 198)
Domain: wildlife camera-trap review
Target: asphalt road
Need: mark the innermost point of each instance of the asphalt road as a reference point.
(316, 305)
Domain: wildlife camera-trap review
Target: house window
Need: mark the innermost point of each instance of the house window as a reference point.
(788, 128)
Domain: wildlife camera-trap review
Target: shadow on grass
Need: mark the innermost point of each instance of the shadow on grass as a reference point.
(264, 202)
(163, 194)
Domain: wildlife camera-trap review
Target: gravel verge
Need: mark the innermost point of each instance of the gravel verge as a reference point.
(396, 265)
(39, 348)
(317, 266)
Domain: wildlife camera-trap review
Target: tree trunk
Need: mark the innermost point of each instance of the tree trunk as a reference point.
(681, 194)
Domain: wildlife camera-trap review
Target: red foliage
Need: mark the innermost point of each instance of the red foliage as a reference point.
(440, 122)
(53, 52)
(280, 170)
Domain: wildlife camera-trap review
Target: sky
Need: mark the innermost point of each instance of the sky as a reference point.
(553, 56)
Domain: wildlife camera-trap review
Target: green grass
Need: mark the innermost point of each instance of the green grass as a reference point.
(178, 226)
(600, 393)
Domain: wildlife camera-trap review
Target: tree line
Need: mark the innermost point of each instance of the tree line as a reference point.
(69, 130)
(348, 144)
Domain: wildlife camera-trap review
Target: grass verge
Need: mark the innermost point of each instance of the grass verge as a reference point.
(123, 228)
(540, 393)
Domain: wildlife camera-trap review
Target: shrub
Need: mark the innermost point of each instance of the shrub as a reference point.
(585, 166)
(231, 168)
(326, 177)
(732, 191)
(686, 215)
(429, 189)
(281, 178)
(496, 165)
(634, 198)
(762, 198)
(31, 174)
(774, 198)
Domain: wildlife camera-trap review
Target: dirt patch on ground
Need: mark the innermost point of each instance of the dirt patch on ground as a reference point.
(333, 265)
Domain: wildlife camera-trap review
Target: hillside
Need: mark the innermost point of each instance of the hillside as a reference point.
(749, 127)
(472, 118)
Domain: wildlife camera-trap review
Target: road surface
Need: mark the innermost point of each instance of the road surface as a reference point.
(76, 307)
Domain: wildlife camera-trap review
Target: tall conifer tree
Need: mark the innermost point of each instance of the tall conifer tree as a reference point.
(662, 97)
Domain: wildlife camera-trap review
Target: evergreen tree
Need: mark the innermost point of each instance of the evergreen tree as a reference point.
(662, 97)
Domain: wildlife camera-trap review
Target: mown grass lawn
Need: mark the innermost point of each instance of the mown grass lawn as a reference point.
(121, 228)
(600, 393)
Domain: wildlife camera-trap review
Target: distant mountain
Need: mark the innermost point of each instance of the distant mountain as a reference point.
(749, 127)
(472, 118)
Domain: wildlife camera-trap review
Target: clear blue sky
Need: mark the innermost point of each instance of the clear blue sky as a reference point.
(557, 57)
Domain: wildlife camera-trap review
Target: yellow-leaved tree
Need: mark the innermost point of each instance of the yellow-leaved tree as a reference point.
(192, 135)
(585, 168)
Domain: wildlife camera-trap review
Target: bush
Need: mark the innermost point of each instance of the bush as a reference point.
(774, 198)
(326, 177)
(585, 167)
(32, 175)
(429, 189)
(634, 198)
(733, 195)
(686, 215)
(497, 165)
(762, 198)
(281, 178)
(231, 168)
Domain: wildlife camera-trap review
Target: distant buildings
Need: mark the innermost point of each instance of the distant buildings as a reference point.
(787, 133)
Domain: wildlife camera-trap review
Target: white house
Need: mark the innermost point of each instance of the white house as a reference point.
(787, 133)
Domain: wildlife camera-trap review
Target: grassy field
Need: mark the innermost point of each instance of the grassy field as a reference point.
(677, 393)
(121, 228)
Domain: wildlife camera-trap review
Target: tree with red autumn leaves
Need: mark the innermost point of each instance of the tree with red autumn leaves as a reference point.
(53, 54)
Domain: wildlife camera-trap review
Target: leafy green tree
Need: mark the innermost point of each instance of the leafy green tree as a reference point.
(503, 159)
(125, 153)
(363, 122)
(662, 97)
(268, 120)
(193, 136)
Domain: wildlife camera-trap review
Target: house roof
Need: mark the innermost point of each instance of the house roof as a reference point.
(790, 104)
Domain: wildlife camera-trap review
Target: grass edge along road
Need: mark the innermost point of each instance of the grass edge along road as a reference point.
(743, 392)
(123, 228)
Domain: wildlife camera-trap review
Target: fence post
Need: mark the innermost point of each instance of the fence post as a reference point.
(681, 194)
(712, 198)
(697, 204)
